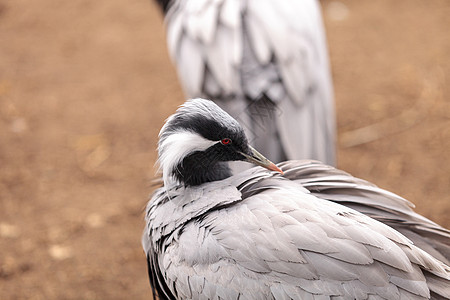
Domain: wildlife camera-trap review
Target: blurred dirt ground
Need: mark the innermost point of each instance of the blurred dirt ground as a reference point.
(85, 86)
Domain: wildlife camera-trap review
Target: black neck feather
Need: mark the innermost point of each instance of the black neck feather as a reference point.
(199, 167)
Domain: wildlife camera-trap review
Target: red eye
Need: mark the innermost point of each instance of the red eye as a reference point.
(225, 141)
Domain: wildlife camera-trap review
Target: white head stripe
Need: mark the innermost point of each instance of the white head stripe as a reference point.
(176, 146)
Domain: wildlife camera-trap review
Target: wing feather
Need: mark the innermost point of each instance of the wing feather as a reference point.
(175, 30)
(247, 50)
(219, 58)
(331, 184)
(192, 68)
(258, 39)
(257, 245)
(202, 26)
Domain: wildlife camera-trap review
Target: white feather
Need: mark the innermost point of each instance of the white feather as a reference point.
(230, 13)
(192, 69)
(181, 144)
(202, 26)
(219, 58)
(174, 33)
(258, 39)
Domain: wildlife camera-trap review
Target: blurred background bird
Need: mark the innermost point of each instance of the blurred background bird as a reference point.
(265, 63)
(314, 232)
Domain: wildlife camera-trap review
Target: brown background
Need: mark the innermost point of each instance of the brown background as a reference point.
(85, 86)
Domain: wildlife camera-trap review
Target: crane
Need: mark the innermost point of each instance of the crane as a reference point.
(296, 230)
(265, 62)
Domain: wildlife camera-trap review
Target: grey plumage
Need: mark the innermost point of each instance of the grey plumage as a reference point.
(265, 62)
(313, 233)
(260, 236)
(338, 186)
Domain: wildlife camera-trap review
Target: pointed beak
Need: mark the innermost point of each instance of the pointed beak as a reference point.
(258, 159)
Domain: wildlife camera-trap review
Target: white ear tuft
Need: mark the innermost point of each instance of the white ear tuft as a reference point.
(175, 147)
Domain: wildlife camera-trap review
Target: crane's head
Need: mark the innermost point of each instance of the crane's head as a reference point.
(197, 142)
